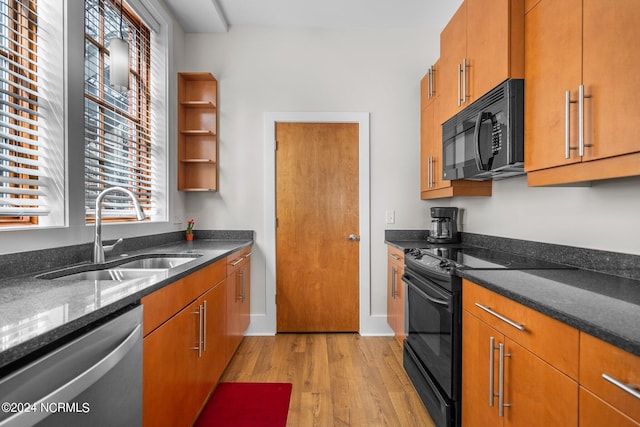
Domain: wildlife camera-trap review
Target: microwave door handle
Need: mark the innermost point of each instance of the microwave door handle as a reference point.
(476, 136)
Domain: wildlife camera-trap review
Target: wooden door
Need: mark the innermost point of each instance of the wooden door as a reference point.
(317, 283)
(610, 63)
(553, 65)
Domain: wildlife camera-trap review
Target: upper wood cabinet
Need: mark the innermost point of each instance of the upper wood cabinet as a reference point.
(197, 132)
(432, 186)
(480, 47)
(580, 105)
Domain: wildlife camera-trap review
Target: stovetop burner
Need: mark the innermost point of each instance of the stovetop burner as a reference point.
(447, 259)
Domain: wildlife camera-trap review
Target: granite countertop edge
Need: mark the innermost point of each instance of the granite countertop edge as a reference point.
(212, 250)
(606, 322)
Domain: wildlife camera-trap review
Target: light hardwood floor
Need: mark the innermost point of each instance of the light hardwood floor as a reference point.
(338, 379)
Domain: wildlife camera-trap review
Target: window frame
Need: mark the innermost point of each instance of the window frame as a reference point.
(140, 141)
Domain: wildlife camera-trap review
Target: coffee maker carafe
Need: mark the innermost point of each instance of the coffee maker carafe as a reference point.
(444, 225)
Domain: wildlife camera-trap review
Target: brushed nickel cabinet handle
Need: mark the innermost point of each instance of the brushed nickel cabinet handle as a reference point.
(508, 321)
(464, 81)
(501, 404)
(632, 389)
(492, 349)
(459, 84)
(204, 326)
(581, 97)
(394, 273)
(236, 262)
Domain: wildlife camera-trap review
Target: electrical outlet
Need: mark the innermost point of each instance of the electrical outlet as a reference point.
(390, 217)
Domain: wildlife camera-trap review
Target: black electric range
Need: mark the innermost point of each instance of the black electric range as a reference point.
(433, 348)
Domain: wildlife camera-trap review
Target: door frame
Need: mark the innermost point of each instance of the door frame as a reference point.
(367, 322)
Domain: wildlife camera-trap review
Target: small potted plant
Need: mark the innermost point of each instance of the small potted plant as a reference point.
(190, 225)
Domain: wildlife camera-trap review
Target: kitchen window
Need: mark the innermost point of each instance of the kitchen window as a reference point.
(122, 145)
(31, 130)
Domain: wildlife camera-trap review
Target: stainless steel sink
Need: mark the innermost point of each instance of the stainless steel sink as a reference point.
(125, 269)
(116, 274)
(159, 262)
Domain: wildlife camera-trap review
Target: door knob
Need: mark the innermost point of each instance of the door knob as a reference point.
(354, 237)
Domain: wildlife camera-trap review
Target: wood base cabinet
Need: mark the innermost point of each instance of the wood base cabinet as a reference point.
(511, 375)
(609, 380)
(396, 293)
(505, 384)
(169, 370)
(186, 340)
(238, 299)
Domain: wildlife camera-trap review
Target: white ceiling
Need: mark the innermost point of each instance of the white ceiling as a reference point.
(216, 16)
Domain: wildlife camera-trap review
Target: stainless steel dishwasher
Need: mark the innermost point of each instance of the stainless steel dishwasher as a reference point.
(94, 380)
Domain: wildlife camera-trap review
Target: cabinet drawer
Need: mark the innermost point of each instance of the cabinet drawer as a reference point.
(396, 256)
(598, 358)
(164, 303)
(595, 412)
(553, 341)
(235, 259)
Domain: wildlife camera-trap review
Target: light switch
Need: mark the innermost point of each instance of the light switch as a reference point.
(390, 217)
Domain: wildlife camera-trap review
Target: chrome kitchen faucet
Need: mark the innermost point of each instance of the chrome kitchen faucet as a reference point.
(98, 249)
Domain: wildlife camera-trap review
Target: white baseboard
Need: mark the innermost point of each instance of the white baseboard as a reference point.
(372, 326)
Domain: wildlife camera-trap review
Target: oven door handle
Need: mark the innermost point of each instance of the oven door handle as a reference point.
(424, 294)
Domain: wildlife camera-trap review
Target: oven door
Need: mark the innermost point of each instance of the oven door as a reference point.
(430, 329)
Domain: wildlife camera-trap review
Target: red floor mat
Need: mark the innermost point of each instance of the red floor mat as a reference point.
(247, 405)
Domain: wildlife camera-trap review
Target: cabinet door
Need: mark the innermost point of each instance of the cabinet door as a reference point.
(595, 412)
(610, 75)
(213, 360)
(430, 150)
(453, 50)
(476, 350)
(245, 296)
(170, 357)
(553, 64)
(535, 393)
(539, 394)
(488, 42)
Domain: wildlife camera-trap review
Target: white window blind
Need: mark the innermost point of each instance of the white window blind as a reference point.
(118, 143)
(21, 148)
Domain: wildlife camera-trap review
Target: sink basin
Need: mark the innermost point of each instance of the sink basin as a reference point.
(157, 262)
(128, 269)
(116, 274)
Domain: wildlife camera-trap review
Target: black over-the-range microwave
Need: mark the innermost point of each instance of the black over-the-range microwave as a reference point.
(486, 139)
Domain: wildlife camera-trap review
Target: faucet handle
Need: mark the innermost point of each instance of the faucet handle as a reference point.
(109, 248)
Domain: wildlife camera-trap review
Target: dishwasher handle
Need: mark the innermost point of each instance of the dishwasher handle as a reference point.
(78, 384)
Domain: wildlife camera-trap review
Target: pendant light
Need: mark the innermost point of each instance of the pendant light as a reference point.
(119, 60)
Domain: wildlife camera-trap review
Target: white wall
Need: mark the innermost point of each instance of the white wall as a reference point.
(276, 70)
(604, 216)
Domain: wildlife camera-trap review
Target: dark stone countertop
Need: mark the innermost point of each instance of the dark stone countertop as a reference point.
(602, 305)
(598, 292)
(35, 313)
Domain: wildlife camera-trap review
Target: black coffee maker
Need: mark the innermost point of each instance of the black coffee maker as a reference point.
(444, 225)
